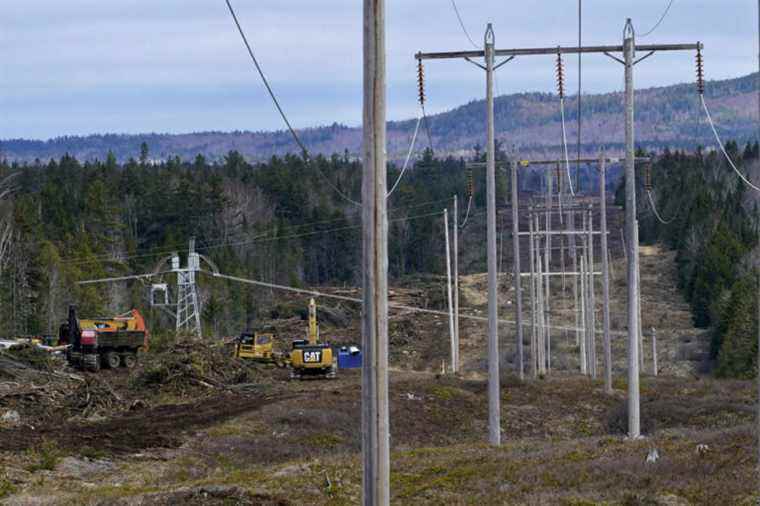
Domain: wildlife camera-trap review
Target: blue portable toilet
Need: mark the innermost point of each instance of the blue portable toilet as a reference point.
(349, 357)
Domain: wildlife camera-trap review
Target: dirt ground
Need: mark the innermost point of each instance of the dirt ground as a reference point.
(192, 425)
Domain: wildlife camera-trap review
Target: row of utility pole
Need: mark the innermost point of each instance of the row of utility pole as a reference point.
(628, 51)
(375, 420)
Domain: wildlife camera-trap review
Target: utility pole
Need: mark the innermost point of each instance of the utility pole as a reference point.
(452, 332)
(628, 50)
(580, 90)
(494, 390)
(456, 278)
(516, 271)
(654, 352)
(591, 294)
(547, 268)
(634, 421)
(605, 276)
(533, 321)
(375, 419)
(583, 318)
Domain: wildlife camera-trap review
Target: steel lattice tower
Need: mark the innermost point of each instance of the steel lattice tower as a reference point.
(188, 306)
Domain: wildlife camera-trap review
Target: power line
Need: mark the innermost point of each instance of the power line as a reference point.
(264, 237)
(300, 144)
(723, 149)
(157, 252)
(654, 210)
(662, 18)
(461, 24)
(467, 214)
(564, 145)
(345, 298)
(408, 157)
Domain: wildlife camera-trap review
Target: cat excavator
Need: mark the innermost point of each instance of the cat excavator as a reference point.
(311, 358)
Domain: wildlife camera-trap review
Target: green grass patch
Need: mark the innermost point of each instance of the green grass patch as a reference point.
(44, 457)
(324, 440)
(6, 486)
(445, 393)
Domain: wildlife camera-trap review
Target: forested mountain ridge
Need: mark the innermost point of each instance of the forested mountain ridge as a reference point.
(666, 117)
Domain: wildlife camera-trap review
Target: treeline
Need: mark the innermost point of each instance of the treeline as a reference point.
(713, 223)
(280, 222)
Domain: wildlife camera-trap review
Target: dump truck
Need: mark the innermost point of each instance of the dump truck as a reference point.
(259, 347)
(104, 342)
(311, 358)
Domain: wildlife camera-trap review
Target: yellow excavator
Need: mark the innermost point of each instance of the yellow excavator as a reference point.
(311, 358)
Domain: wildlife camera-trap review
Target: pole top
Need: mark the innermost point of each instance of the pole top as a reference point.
(490, 38)
(628, 31)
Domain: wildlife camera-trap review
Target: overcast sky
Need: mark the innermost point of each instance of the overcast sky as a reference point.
(94, 66)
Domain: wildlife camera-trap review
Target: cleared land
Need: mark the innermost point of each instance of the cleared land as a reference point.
(192, 425)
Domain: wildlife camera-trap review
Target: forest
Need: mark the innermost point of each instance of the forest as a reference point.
(712, 220)
(282, 221)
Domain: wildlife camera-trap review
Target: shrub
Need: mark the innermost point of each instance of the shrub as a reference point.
(44, 457)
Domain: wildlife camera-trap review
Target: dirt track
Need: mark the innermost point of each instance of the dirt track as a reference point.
(159, 427)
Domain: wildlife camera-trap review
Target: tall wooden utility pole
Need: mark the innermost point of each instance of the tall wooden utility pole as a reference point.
(494, 390)
(591, 295)
(449, 298)
(533, 321)
(516, 271)
(456, 279)
(605, 276)
(490, 66)
(628, 49)
(634, 422)
(547, 266)
(580, 91)
(375, 420)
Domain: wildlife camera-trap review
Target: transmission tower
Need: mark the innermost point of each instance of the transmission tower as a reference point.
(188, 308)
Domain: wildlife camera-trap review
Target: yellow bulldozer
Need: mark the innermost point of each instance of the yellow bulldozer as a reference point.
(311, 358)
(259, 346)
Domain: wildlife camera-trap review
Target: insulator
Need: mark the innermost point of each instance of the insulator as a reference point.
(470, 183)
(700, 72)
(648, 177)
(560, 76)
(421, 82)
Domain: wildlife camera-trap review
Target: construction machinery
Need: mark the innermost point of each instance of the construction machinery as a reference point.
(259, 346)
(311, 358)
(104, 342)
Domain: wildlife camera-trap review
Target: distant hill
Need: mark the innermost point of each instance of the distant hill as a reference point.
(666, 117)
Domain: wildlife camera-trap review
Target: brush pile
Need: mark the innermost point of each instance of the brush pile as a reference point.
(188, 369)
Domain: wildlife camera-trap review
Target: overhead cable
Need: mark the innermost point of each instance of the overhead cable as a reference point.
(662, 18)
(293, 133)
(564, 145)
(461, 24)
(654, 210)
(392, 305)
(408, 156)
(722, 147)
(467, 214)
